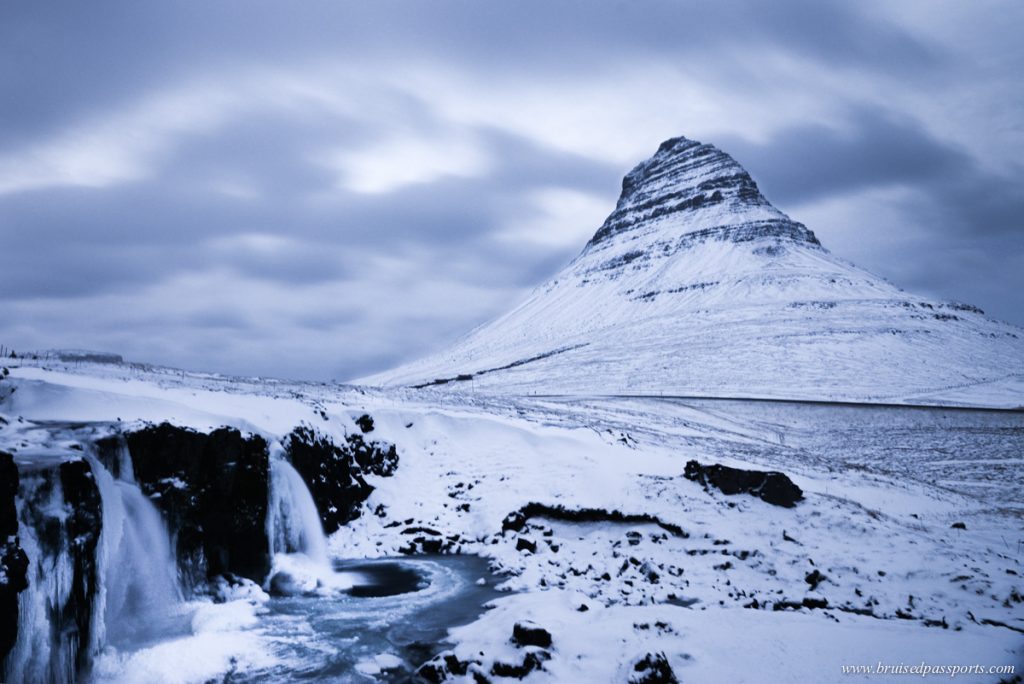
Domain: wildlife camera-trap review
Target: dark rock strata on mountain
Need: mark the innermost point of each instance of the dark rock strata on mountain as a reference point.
(213, 491)
(335, 473)
(685, 176)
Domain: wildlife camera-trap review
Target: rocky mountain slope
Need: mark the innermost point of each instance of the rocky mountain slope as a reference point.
(696, 285)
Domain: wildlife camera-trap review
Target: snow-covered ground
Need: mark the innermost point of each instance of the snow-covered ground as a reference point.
(867, 569)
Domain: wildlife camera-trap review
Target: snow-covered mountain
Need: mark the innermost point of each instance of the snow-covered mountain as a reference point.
(696, 285)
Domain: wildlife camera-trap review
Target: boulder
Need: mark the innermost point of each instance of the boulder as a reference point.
(770, 486)
(526, 633)
(653, 668)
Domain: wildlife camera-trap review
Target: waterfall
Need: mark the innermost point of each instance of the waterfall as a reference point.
(37, 655)
(137, 571)
(298, 547)
(293, 523)
(101, 571)
(103, 575)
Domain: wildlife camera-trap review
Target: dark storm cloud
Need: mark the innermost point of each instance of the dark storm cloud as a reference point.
(951, 191)
(969, 216)
(872, 149)
(79, 242)
(71, 61)
(189, 183)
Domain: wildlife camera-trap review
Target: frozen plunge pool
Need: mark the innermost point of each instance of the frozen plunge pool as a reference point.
(395, 618)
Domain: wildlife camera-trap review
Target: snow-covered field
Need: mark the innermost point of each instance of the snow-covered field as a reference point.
(866, 569)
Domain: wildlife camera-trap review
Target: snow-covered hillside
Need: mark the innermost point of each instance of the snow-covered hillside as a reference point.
(696, 285)
(897, 553)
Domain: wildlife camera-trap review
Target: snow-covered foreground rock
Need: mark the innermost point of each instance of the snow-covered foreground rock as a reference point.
(696, 286)
(904, 548)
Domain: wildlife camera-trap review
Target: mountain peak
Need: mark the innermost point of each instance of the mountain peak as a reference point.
(696, 285)
(689, 184)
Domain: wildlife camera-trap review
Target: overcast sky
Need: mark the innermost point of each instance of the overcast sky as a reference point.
(324, 189)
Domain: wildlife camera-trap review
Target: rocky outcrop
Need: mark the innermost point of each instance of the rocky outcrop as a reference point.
(213, 492)
(335, 473)
(532, 643)
(83, 525)
(365, 423)
(770, 486)
(13, 561)
(516, 521)
(526, 633)
(653, 668)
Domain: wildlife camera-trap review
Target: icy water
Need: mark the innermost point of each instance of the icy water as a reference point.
(395, 618)
(974, 452)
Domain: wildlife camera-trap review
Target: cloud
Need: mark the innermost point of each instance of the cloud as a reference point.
(866, 148)
(406, 160)
(561, 218)
(327, 189)
(115, 149)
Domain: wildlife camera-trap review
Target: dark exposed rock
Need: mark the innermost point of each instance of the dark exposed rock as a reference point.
(13, 561)
(815, 578)
(770, 486)
(807, 602)
(958, 526)
(514, 521)
(517, 519)
(431, 545)
(429, 541)
(335, 473)
(334, 479)
(376, 458)
(525, 544)
(365, 423)
(84, 523)
(526, 633)
(653, 668)
(213, 491)
(533, 659)
(443, 666)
